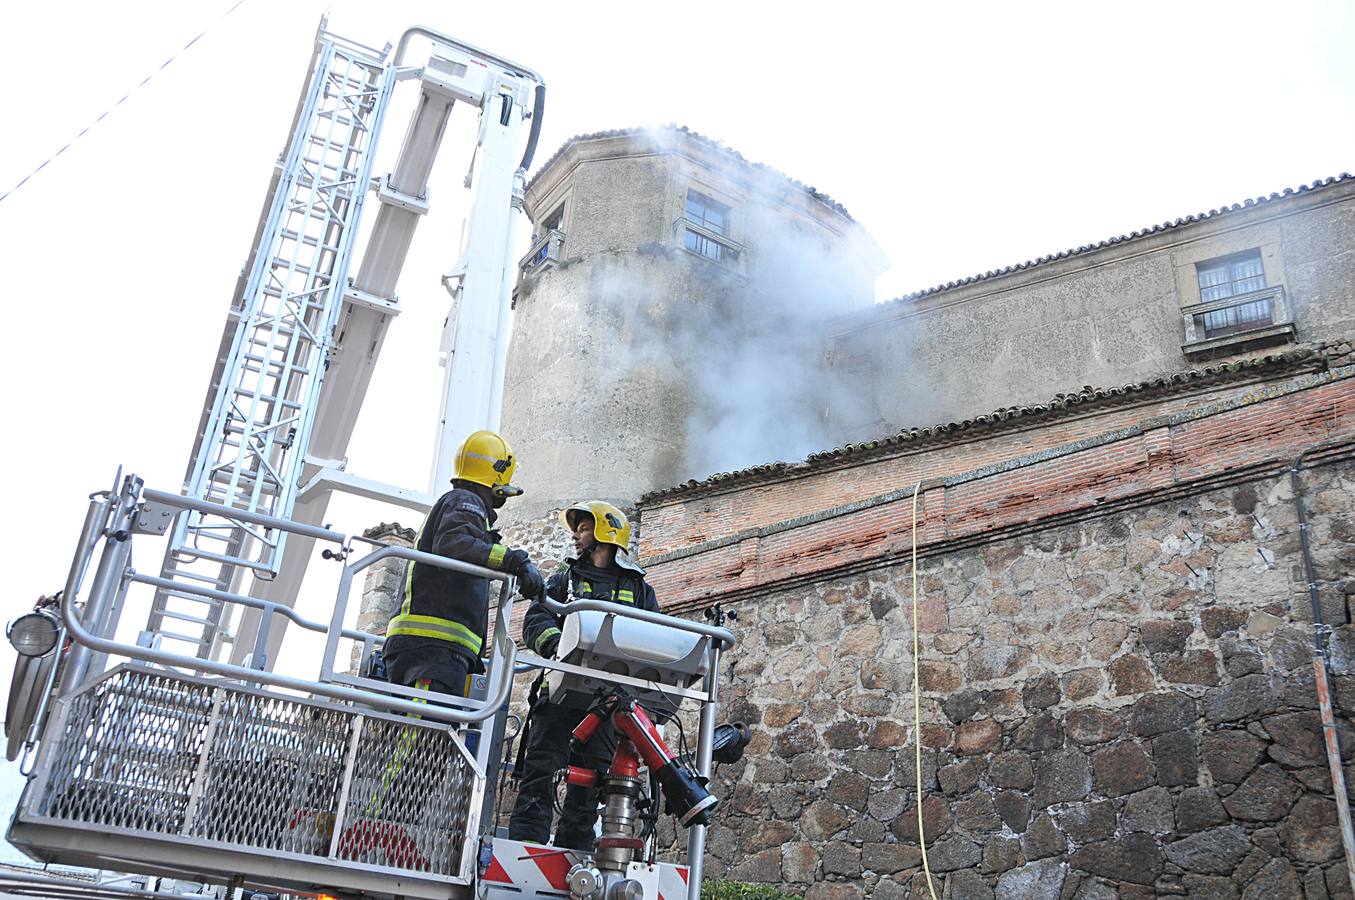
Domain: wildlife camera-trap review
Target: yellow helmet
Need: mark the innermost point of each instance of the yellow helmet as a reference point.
(610, 525)
(485, 458)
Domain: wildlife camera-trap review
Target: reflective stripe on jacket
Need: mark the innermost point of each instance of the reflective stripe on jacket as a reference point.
(614, 584)
(443, 608)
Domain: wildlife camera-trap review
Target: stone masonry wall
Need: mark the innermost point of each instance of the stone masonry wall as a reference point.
(1117, 707)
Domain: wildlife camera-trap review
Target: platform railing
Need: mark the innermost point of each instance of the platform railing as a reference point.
(104, 763)
(126, 516)
(173, 760)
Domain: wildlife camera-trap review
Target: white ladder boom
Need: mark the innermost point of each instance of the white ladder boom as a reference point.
(261, 410)
(302, 338)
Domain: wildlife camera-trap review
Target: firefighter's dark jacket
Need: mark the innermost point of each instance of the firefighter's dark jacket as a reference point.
(443, 609)
(626, 586)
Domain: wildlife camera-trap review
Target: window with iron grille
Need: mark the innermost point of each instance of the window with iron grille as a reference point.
(707, 221)
(1240, 305)
(548, 241)
(1232, 276)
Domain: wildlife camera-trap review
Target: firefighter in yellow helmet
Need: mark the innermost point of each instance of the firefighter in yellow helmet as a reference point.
(435, 640)
(601, 570)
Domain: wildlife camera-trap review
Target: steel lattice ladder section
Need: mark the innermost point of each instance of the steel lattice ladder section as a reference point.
(274, 352)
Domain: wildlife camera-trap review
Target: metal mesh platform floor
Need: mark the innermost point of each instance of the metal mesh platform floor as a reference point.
(156, 772)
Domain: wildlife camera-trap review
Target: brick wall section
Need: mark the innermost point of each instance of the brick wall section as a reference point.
(675, 524)
(1180, 446)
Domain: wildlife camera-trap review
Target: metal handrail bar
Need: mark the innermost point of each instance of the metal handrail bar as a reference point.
(723, 635)
(245, 600)
(181, 502)
(432, 559)
(502, 670)
(489, 707)
(95, 517)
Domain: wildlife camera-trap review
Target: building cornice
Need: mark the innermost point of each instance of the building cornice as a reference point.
(631, 142)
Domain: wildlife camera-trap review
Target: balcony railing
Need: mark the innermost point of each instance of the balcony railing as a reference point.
(1253, 318)
(545, 252)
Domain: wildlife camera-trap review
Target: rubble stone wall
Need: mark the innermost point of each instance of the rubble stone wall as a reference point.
(1122, 706)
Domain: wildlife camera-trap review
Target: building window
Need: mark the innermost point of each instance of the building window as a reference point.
(1237, 308)
(554, 220)
(1233, 275)
(707, 212)
(698, 243)
(706, 228)
(1236, 319)
(547, 242)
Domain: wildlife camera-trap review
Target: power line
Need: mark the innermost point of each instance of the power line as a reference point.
(105, 113)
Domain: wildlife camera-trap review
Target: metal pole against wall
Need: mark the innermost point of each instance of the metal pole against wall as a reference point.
(696, 836)
(1329, 735)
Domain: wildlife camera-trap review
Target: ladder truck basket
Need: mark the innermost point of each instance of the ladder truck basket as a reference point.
(211, 770)
(200, 769)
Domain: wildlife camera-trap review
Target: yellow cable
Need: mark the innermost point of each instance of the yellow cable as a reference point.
(917, 710)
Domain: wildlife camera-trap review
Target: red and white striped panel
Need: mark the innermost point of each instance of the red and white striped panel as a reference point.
(672, 882)
(530, 868)
(534, 870)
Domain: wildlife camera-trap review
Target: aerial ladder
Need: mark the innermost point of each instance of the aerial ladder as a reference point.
(184, 753)
(303, 339)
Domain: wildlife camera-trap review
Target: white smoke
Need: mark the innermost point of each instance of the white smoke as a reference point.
(747, 348)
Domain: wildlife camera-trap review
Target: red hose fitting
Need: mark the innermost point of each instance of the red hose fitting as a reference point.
(626, 762)
(582, 777)
(584, 731)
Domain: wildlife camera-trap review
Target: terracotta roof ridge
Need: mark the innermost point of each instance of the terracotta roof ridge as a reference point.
(701, 139)
(1328, 352)
(1122, 238)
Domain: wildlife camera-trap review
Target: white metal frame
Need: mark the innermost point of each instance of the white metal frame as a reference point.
(507, 97)
(113, 524)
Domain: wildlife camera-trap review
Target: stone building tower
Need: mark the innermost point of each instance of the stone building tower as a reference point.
(667, 317)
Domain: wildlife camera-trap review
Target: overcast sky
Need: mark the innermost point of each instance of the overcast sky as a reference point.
(963, 136)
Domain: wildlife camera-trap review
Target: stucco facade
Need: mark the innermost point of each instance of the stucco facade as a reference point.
(637, 364)
(1102, 315)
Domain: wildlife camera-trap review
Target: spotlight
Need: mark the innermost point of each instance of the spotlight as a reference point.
(34, 634)
(730, 739)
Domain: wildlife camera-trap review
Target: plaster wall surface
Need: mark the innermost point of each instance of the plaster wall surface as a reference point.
(1104, 317)
(627, 351)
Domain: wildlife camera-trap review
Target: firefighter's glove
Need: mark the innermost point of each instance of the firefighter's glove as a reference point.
(530, 583)
(519, 565)
(550, 646)
(514, 561)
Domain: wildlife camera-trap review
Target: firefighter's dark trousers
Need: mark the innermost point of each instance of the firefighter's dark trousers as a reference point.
(548, 752)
